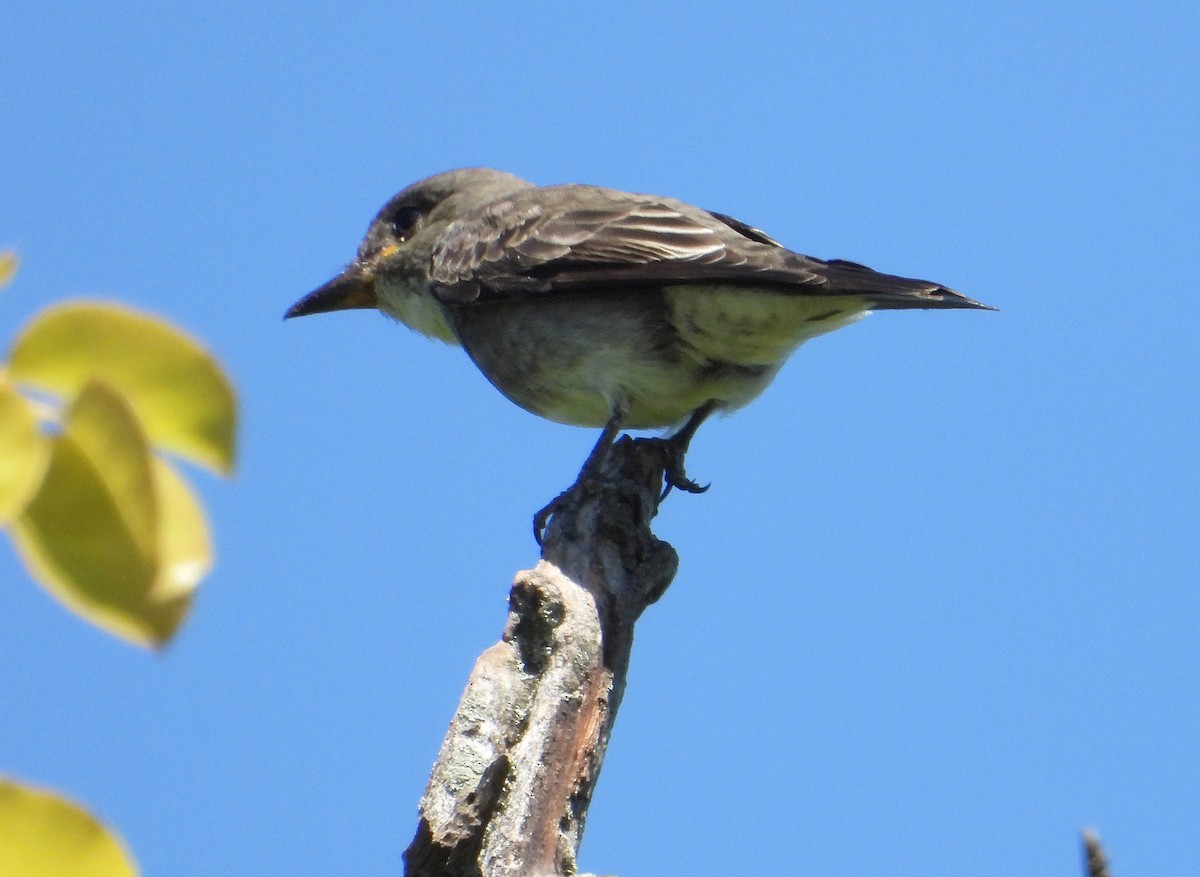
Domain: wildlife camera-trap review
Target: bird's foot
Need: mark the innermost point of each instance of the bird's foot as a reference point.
(670, 453)
(541, 520)
(675, 449)
(590, 467)
(674, 475)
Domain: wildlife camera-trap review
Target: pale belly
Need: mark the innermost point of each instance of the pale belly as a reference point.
(660, 354)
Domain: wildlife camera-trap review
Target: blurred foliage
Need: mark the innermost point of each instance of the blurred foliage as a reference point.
(89, 396)
(44, 835)
(23, 452)
(8, 266)
(177, 391)
(92, 392)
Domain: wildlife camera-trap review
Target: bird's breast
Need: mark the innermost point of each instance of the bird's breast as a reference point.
(661, 353)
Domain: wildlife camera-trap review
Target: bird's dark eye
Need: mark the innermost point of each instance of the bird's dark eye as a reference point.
(404, 223)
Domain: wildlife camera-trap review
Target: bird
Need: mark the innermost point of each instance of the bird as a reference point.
(602, 308)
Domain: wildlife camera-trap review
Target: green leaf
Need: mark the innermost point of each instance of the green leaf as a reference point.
(181, 395)
(103, 533)
(45, 835)
(185, 553)
(23, 452)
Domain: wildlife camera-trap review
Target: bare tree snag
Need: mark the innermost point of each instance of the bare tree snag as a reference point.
(511, 786)
(1095, 863)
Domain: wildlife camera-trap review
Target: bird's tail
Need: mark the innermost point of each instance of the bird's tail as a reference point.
(889, 292)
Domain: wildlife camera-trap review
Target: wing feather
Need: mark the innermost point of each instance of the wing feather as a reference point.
(572, 238)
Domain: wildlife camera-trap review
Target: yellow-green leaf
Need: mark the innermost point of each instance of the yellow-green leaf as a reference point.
(178, 390)
(45, 835)
(105, 428)
(8, 266)
(90, 535)
(185, 553)
(23, 452)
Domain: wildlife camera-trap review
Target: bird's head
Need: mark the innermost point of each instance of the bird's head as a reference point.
(392, 269)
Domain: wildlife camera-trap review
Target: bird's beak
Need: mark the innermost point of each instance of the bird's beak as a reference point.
(353, 288)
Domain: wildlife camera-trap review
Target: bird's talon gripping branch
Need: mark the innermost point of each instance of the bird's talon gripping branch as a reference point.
(541, 520)
(678, 480)
(590, 469)
(675, 449)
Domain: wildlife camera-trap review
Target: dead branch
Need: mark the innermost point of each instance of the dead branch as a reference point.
(511, 786)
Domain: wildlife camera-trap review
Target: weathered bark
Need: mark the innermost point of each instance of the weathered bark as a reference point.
(511, 786)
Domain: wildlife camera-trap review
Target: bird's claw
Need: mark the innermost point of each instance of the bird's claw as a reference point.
(541, 520)
(674, 475)
(673, 450)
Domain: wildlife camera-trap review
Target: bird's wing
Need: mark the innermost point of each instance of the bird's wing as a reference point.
(574, 237)
(569, 238)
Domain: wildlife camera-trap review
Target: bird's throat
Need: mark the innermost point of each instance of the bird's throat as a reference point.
(414, 306)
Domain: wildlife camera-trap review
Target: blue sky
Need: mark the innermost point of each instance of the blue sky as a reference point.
(939, 610)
